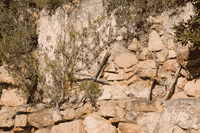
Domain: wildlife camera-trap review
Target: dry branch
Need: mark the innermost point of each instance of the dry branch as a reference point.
(172, 84)
(153, 81)
(95, 77)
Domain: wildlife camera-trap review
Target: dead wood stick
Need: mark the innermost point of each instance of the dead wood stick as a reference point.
(153, 81)
(102, 64)
(101, 81)
(95, 77)
(172, 84)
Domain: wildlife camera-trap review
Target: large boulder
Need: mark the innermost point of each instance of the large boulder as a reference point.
(69, 127)
(96, 124)
(13, 97)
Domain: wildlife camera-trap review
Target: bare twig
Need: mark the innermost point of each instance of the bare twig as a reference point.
(172, 84)
(153, 81)
(102, 64)
(93, 78)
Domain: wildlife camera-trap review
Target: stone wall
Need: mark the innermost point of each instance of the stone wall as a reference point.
(133, 69)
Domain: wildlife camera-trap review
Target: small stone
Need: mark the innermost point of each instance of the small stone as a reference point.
(132, 79)
(131, 115)
(128, 128)
(120, 113)
(172, 54)
(93, 123)
(161, 32)
(135, 45)
(144, 55)
(20, 120)
(68, 114)
(192, 88)
(181, 82)
(170, 44)
(179, 95)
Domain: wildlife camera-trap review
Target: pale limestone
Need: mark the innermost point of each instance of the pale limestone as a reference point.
(192, 88)
(133, 79)
(125, 60)
(179, 95)
(135, 45)
(12, 98)
(147, 64)
(155, 42)
(170, 44)
(172, 54)
(162, 55)
(95, 124)
(181, 82)
(69, 127)
(21, 120)
(68, 114)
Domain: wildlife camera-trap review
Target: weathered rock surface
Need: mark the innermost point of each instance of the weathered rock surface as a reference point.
(69, 127)
(155, 43)
(128, 128)
(41, 118)
(21, 120)
(12, 98)
(192, 88)
(6, 118)
(68, 114)
(96, 124)
(5, 77)
(135, 45)
(125, 60)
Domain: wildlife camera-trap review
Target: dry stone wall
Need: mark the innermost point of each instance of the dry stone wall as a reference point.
(123, 106)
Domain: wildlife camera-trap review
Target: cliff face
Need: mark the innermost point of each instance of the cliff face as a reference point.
(137, 70)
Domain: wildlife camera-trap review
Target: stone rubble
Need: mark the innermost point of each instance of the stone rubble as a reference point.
(123, 106)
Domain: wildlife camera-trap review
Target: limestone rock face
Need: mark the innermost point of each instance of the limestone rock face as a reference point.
(12, 98)
(128, 128)
(169, 21)
(21, 120)
(96, 124)
(155, 42)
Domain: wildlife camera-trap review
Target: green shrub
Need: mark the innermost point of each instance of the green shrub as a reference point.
(189, 31)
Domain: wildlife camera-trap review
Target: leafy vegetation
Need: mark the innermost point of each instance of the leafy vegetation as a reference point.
(189, 31)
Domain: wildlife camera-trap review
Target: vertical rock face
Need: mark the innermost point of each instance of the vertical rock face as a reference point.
(55, 30)
(169, 21)
(51, 29)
